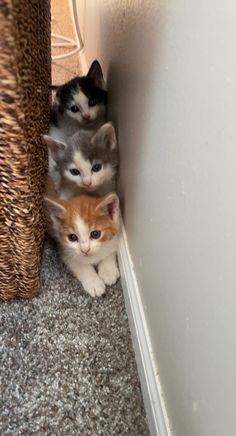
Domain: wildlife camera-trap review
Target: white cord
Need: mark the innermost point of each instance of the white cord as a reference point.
(68, 41)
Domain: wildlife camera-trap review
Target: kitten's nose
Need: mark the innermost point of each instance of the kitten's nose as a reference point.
(86, 117)
(85, 250)
(87, 182)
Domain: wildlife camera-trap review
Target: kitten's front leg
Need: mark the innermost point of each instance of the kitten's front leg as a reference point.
(89, 279)
(108, 271)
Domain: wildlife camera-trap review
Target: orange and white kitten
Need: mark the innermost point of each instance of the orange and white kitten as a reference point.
(87, 229)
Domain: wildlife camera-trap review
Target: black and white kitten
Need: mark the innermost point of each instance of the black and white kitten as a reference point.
(87, 162)
(79, 103)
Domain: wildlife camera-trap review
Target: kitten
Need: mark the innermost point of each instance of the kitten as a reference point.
(86, 229)
(79, 103)
(87, 162)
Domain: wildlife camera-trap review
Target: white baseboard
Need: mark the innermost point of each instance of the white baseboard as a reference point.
(151, 388)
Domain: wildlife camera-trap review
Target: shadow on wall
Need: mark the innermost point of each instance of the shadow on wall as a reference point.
(130, 76)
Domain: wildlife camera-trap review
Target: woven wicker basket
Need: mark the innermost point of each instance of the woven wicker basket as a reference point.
(24, 78)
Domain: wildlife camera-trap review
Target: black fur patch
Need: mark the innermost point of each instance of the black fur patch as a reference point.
(53, 116)
(86, 85)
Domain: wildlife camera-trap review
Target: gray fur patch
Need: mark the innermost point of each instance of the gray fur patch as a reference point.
(98, 152)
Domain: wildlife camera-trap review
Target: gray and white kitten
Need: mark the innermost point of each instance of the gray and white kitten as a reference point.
(79, 103)
(86, 163)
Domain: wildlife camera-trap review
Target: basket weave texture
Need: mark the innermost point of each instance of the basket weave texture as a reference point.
(24, 114)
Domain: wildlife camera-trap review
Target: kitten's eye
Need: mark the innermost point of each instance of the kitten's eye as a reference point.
(72, 237)
(74, 109)
(95, 234)
(91, 102)
(96, 168)
(74, 172)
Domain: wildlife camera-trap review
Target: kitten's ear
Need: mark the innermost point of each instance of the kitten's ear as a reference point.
(57, 148)
(95, 72)
(55, 209)
(109, 206)
(105, 137)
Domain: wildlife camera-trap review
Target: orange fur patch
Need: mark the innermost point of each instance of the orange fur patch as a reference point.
(50, 188)
(85, 206)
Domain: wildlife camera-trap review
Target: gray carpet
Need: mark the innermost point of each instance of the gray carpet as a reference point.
(66, 362)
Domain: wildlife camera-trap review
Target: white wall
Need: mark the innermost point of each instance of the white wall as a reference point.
(171, 68)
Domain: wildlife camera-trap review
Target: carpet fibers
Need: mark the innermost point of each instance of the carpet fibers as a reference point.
(67, 363)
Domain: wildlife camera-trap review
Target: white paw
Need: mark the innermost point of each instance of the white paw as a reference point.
(95, 287)
(109, 273)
